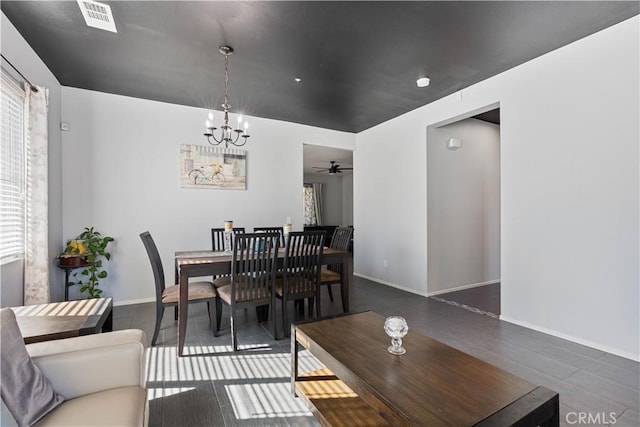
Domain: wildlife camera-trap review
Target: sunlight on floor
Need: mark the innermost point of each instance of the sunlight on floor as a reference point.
(260, 377)
(271, 400)
(155, 393)
(221, 363)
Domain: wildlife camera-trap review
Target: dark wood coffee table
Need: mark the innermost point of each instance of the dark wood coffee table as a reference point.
(58, 320)
(432, 384)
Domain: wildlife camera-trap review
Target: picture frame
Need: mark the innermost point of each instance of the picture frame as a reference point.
(214, 168)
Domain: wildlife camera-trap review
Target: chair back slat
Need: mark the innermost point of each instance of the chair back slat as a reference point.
(340, 240)
(279, 230)
(253, 266)
(156, 263)
(217, 237)
(302, 262)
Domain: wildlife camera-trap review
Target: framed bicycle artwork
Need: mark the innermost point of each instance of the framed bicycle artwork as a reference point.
(204, 166)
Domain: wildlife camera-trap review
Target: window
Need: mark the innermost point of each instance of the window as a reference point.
(13, 170)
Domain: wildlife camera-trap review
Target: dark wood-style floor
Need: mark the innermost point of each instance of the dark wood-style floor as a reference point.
(483, 299)
(214, 386)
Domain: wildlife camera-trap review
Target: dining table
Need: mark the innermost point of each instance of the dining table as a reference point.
(214, 263)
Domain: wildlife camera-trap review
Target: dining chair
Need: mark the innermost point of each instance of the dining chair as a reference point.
(170, 296)
(217, 237)
(279, 230)
(253, 269)
(331, 273)
(301, 272)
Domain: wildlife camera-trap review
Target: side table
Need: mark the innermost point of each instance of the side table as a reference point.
(56, 320)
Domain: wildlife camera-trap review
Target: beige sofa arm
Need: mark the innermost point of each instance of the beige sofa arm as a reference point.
(88, 364)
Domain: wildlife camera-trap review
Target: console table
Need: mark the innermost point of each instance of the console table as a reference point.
(431, 384)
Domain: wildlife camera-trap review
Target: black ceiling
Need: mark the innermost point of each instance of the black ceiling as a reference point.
(358, 61)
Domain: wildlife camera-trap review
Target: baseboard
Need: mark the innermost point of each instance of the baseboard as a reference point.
(390, 284)
(607, 349)
(463, 287)
(133, 301)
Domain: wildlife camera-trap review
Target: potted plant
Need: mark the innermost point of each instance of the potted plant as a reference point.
(87, 252)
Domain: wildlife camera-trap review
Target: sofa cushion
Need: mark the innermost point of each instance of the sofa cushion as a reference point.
(27, 394)
(123, 406)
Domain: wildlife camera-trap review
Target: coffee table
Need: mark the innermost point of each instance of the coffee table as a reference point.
(431, 384)
(44, 322)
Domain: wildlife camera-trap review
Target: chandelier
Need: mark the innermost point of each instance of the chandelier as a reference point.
(226, 133)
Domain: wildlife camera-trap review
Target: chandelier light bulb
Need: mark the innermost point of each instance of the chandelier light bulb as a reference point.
(210, 117)
(207, 124)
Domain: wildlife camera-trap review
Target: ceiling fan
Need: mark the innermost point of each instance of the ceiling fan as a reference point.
(333, 169)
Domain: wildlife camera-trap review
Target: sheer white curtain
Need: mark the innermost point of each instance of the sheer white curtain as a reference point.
(36, 276)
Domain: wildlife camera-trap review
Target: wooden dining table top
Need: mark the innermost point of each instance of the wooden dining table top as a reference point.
(220, 257)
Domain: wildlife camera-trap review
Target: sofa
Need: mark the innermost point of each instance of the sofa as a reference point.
(101, 378)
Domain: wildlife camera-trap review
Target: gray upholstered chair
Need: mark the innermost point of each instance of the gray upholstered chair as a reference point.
(253, 270)
(331, 273)
(300, 276)
(169, 296)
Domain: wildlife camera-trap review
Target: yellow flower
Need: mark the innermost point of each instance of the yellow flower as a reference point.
(78, 246)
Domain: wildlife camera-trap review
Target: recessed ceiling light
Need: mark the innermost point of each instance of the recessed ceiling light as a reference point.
(423, 82)
(298, 79)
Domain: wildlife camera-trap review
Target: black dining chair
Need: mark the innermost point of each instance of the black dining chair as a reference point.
(253, 270)
(300, 275)
(217, 237)
(279, 230)
(331, 273)
(170, 296)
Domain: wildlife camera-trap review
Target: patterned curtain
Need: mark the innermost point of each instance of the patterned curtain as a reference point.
(309, 207)
(317, 203)
(36, 275)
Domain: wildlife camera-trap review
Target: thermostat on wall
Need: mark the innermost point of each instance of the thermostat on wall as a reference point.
(64, 126)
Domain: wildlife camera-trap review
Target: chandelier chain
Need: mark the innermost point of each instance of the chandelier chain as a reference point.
(226, 80)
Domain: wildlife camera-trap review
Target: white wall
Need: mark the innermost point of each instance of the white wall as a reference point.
(347, 200)
(121, 175)
(16, 49)
(463, 206)
(570, 190)
(332, 196)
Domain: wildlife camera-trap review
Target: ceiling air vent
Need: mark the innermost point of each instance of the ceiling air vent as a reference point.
(97, 15)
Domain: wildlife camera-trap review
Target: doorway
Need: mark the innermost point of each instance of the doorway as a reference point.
(463, 212)
(336, 182)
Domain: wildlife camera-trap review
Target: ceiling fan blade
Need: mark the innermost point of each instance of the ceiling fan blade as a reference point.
(346, 169)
